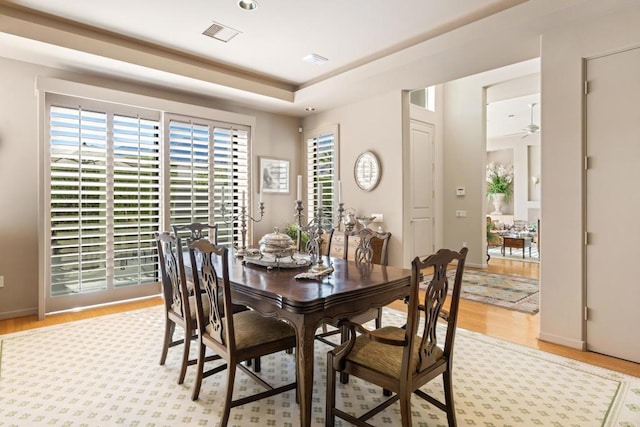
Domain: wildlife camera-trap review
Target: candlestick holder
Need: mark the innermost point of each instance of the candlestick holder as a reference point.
(340, 214)
(244, 217)
(314, 230)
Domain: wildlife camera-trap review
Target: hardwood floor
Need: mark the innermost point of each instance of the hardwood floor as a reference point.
(520, 328)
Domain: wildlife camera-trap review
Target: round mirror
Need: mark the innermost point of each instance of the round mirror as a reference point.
(367, 171)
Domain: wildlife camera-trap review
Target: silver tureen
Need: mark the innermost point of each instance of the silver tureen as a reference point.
(277, 245)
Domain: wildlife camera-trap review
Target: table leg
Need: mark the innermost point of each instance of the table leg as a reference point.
(304, 355)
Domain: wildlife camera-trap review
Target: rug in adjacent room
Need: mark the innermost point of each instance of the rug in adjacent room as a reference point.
(512, 292)
(515, 254)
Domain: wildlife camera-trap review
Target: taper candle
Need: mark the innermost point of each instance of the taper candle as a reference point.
(299, 195)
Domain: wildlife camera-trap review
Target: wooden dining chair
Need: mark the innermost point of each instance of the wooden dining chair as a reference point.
(364, 254)
(196, 231)
(239, 337)
(403, 359)
(179, 307)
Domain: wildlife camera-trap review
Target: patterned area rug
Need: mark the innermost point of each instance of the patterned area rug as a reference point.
(512, 292)
(515, 254)
(105, 372)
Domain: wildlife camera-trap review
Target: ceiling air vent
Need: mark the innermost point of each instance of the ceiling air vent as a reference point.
(220, 32)
(314, 58)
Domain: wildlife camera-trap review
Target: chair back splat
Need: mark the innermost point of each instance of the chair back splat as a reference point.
(402, 360)
(196, 231)
(235, 338)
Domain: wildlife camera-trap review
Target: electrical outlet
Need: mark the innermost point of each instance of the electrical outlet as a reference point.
(1, 281)
(378, 217)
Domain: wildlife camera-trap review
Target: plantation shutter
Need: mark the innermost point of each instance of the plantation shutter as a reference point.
(104, 200)
(78, 200)
(190, 177)
(231, 166)
(321, 155)
(207, 161)
(136, 199)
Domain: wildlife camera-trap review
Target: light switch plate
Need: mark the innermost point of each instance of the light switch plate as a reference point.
(379, 217)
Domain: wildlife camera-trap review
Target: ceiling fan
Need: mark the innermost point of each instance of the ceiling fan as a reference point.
(532, 128)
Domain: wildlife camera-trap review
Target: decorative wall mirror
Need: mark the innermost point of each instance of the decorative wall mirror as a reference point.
(367, 171)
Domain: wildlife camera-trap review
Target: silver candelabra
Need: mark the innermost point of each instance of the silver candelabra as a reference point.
(315, 230)
(244, 217)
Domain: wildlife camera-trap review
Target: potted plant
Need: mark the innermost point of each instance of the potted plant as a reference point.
(499, 185)
(292, 231)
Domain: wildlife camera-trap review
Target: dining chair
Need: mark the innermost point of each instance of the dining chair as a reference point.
(403, 359)
(364, 254)
(234, 338)
(179, 306)
(196, 231)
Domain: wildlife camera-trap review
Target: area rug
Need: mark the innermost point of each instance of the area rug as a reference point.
(512, 292)
(105, 372)
(515, 254)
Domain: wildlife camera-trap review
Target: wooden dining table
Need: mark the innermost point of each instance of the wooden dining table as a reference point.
(349, 290)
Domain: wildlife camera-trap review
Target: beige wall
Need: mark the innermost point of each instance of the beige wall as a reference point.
(18, 189)
(274, 135)
(563, 50)
(371, 125)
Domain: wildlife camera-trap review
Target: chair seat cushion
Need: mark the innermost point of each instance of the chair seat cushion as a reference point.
(384, 358)
(192, 307)
(253, 329)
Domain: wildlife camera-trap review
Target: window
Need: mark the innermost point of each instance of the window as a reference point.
(425, 98)
(114, 176)
(104, 199)
(208, 160)
(322, 172)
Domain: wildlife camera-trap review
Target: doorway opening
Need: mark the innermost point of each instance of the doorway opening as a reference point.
(513, 158)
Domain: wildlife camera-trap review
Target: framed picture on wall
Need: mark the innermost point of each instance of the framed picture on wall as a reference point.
(274, 175)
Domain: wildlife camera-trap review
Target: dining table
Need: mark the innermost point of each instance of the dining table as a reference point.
(350, 289)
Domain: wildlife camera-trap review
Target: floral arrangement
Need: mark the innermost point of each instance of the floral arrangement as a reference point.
(499, 179)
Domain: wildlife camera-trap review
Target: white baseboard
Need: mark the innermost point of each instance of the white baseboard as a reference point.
(567, 342)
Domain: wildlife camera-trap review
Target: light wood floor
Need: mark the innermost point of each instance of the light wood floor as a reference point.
(520, 328)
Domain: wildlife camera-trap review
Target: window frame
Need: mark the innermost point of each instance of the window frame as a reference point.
(128, 103)
(310, 187)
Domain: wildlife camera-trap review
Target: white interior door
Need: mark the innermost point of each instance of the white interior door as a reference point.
(421, 189)
(613, 204)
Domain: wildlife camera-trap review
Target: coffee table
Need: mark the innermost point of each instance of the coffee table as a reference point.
(516, 242)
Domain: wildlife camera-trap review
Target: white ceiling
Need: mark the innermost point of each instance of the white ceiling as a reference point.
(275, 37)
(373, 46)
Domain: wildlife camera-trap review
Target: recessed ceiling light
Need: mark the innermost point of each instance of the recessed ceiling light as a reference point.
(248, 4)
(314, 58)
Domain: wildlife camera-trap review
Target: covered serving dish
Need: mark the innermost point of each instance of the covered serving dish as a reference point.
(276, 244)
